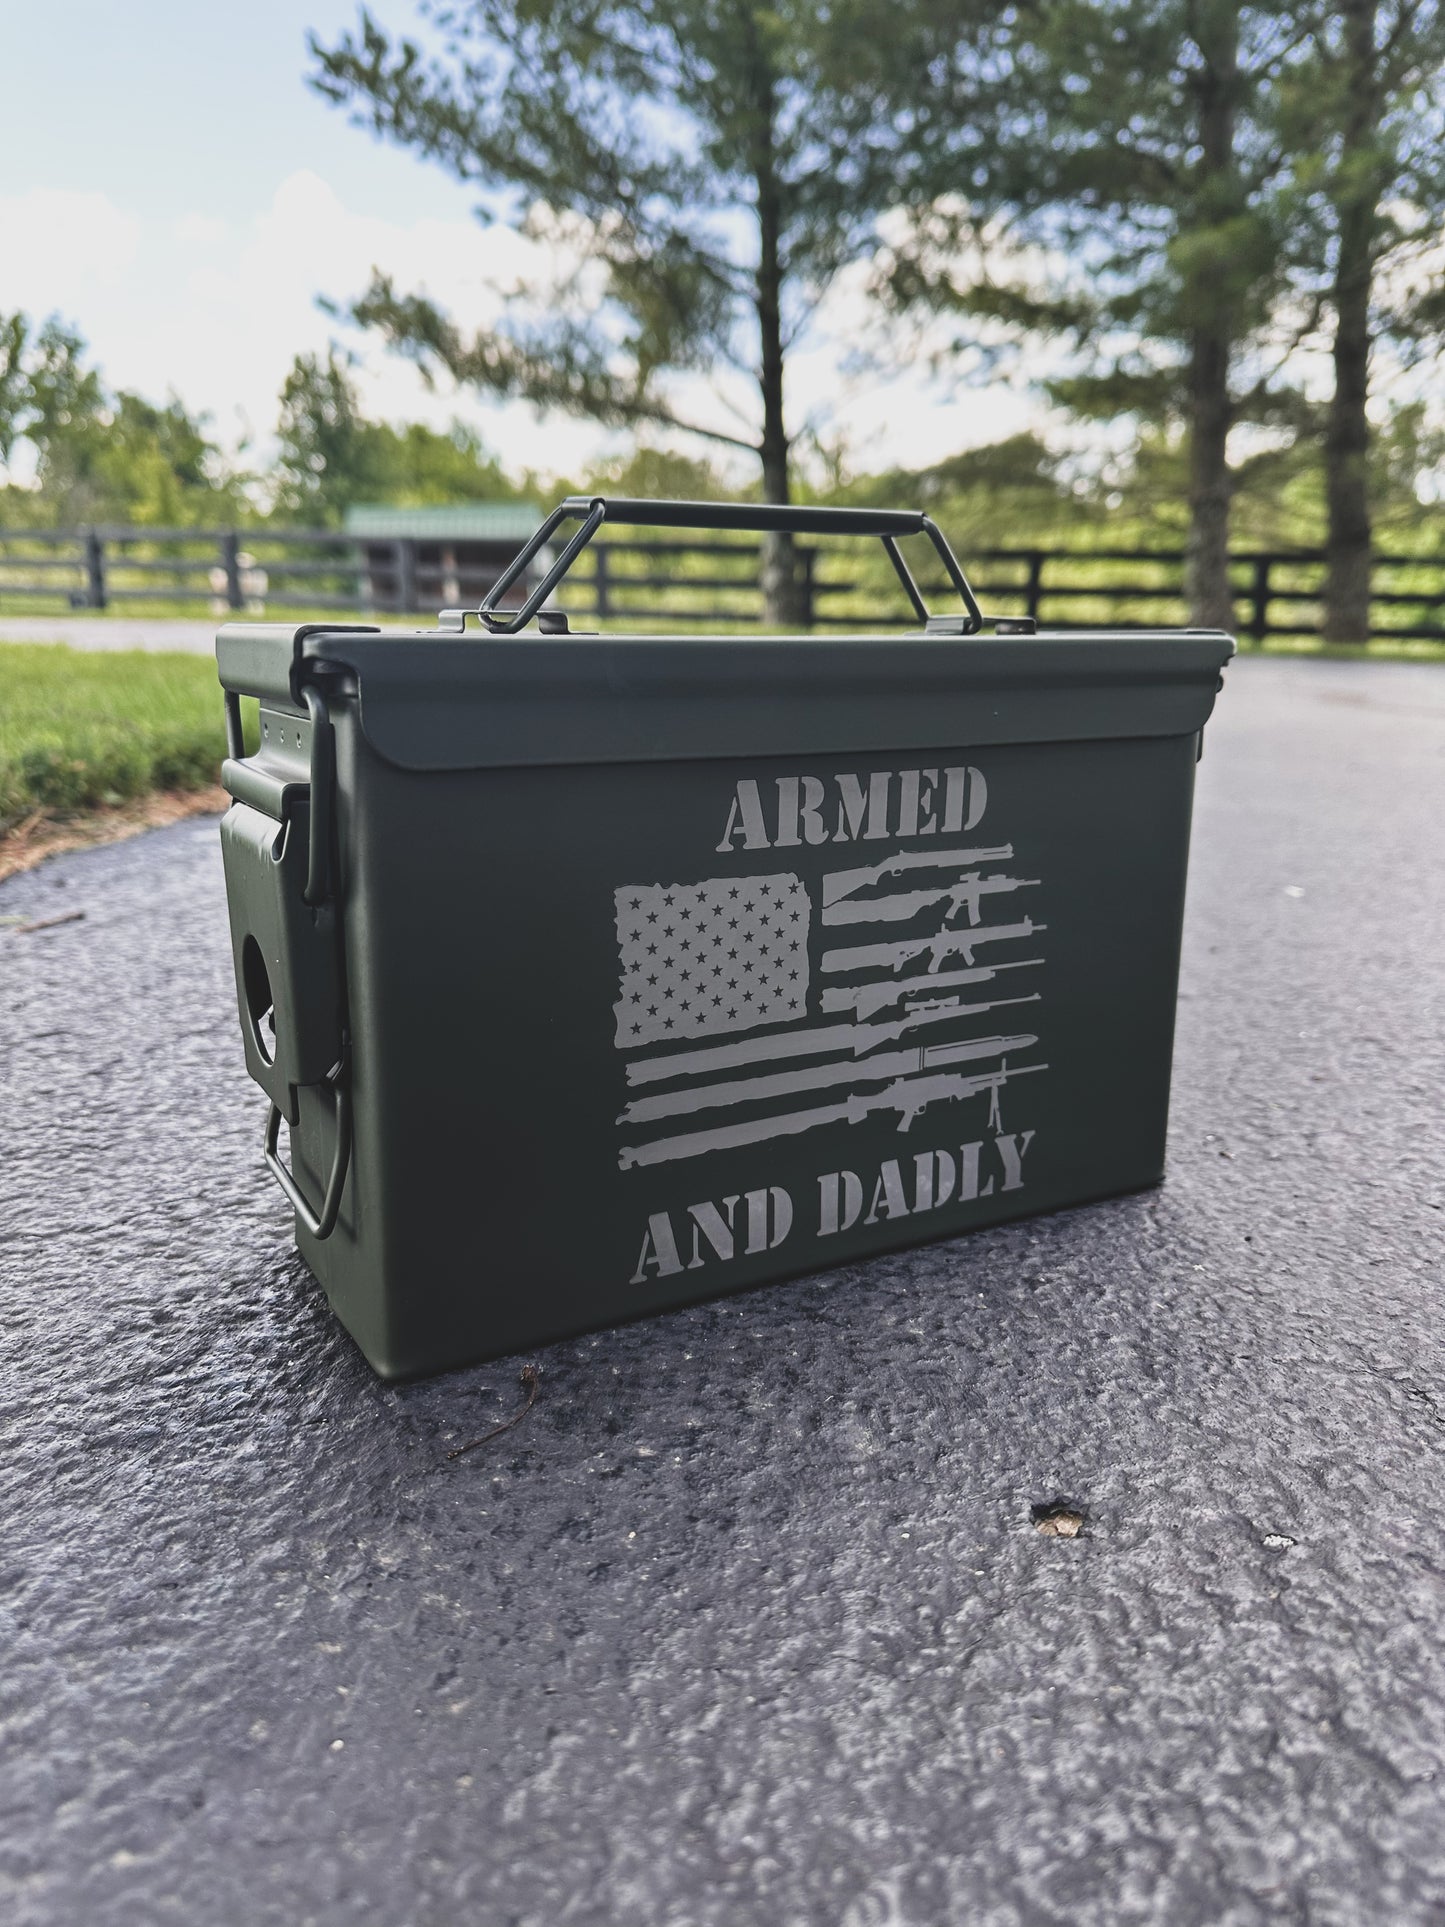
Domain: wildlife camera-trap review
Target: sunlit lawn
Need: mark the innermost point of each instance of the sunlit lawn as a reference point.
(80, 729)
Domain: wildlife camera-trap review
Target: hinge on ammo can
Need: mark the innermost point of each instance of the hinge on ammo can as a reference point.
(323, 791)
(286, 939)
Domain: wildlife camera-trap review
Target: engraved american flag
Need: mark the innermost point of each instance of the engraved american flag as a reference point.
(886, 1022)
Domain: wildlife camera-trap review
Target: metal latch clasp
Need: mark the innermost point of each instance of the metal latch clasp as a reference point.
(286, 948)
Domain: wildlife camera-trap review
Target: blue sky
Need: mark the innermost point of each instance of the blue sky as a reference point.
(173, 107)
(170, 184)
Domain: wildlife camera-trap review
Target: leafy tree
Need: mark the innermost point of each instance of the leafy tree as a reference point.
(658, 472)
(996, 496)
(322, 466)
(100, 455)
(331, 456)
(713, 166)
(426, 465)
(14, 382)
(50, 399)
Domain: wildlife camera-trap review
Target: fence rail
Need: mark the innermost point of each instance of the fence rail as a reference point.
(1278, 593)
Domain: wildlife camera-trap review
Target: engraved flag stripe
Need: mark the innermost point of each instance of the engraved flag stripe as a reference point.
(864, 999)
(854, 1037)
(915, 1091)
(815, 1077)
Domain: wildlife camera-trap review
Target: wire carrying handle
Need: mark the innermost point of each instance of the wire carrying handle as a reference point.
(889, 525)
(320, 1223)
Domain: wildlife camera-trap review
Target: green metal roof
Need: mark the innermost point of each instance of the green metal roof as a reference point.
(458, 521)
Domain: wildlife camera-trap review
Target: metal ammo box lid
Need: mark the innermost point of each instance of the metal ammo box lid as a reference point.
(596, 974)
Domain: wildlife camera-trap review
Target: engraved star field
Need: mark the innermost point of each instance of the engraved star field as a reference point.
(725, 954)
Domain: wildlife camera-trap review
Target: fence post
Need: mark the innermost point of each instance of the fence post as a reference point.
(1034, 585)
(94, 570)
(231, 563)
(601, 581)
(1260, 600)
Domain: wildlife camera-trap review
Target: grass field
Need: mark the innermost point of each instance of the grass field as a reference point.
(82, 730)
(86, 730)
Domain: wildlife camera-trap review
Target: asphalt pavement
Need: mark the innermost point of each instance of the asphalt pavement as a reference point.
(748, 1620)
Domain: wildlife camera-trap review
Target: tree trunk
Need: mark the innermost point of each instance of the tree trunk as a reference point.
(780, 576)
(1211, 342)
(1211, 599)
(1347, 436)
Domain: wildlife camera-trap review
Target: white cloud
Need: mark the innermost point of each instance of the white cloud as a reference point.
(76, 245)
(198, 230)
(215, 310)
(900, 412)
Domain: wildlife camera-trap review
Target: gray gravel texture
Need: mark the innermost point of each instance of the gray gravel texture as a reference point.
(748, 1622)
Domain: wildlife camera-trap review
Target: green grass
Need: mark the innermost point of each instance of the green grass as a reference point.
(1380, 649)
(80, 729)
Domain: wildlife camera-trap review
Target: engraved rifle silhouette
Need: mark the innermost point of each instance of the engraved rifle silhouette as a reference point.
(806, 1042)
(842, 883)
(913, 1095)
(873, 956)
(813, 1077)
(909, 1096)
(864, 999)
(969, 890)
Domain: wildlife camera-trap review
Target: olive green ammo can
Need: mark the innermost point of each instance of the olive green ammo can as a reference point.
(597, 974)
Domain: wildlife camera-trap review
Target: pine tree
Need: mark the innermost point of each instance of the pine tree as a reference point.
(714, 165)
(1122, 143)
(1366, 116)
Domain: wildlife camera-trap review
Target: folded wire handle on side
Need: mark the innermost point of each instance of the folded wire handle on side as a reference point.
(889, 525)
(320, 1223)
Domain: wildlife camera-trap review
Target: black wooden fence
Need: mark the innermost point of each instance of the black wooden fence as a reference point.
(1278, 593)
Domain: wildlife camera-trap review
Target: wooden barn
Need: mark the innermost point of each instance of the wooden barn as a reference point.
(414, 561)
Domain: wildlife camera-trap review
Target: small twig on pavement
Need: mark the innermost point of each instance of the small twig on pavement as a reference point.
(49, 923)
(529, 1376)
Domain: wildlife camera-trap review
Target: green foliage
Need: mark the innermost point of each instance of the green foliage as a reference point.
(644, 471)
(332, 457)
(320, 434)
(1187, 193)
(80, 729)
(100, 456)
(14, 382)
(1126, 139)
(1362, 115)
(712, 168)
(116, 457)
(1002, 495)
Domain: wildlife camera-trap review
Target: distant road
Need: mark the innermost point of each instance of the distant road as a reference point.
(117, 632)
(112, 632)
